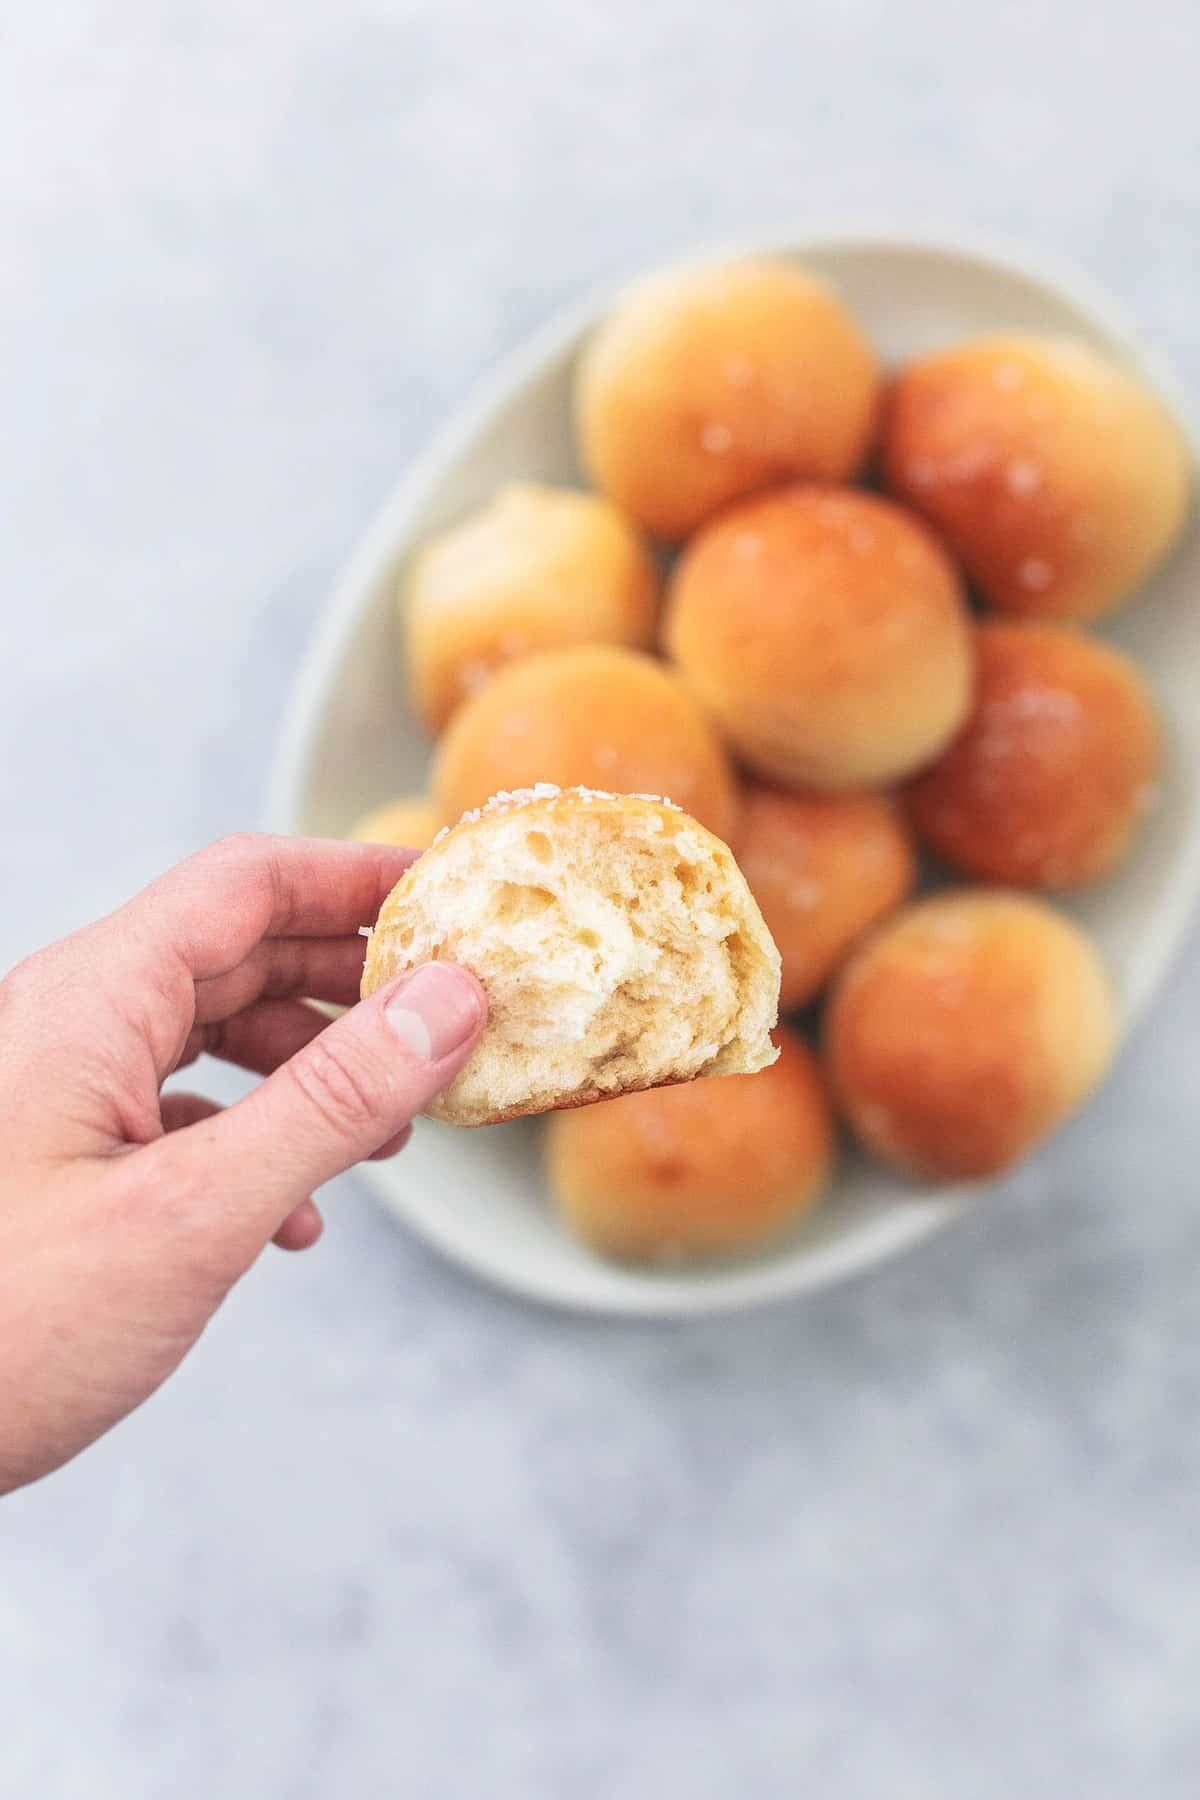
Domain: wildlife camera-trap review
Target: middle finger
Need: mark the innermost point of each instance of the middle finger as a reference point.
(258, 1039)
(284, 969)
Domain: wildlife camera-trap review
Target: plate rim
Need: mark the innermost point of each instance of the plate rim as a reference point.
(732, 1286)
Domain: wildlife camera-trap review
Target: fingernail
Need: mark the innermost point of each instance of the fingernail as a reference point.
(434, 1011)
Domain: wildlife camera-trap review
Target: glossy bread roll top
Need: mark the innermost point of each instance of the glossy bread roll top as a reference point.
(826, 632)
(536, 569)
(595, 717)
(824, 868)
(705, 385)
(966, 1029)
(1056, 476)
(1047, 781)
(708, 1169)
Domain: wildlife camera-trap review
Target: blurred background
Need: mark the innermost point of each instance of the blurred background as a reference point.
(931, 1534)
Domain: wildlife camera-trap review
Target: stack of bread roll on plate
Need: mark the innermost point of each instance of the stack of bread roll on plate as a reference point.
(835, 618)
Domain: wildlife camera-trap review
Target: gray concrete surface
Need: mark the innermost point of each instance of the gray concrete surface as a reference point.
(932, 1535)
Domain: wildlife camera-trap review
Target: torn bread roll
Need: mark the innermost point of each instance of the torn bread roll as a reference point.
(616, 939)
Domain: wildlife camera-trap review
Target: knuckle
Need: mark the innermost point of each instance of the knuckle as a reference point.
(345, 1095)
(252, 857)
(26, 980)
(283, 975)
(240, 846)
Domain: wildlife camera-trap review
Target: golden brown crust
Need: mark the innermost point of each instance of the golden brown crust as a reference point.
(595, 717)
(967, 1028)
(546, 1104)
(537, 569)
(1056, 477)
(709, 1168)
(1047, 780)
(826, 632)
(706, 385)
(824, 869)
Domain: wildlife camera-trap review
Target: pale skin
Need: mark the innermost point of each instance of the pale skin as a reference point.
(126, 1214)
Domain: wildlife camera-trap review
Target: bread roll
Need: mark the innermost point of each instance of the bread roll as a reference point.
(823, 868)
(594, 717)
(701, 1170)
(966, 1029)
(1058, 479)
(537, 568)
(411, 822)
(707, 385)
(826, 633)
(616, 939)
(1047, 780)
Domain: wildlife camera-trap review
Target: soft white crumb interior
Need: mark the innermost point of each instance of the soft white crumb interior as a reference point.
(615, 949)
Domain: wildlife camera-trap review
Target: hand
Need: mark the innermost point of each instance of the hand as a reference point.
(126, 1215)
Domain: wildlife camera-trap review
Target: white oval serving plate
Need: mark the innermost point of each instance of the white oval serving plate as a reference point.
(349, 743)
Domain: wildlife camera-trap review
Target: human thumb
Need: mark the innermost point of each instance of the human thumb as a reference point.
(354, 1086)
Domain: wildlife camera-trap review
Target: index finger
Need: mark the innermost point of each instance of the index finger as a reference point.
(137, 969)
(212, 910)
